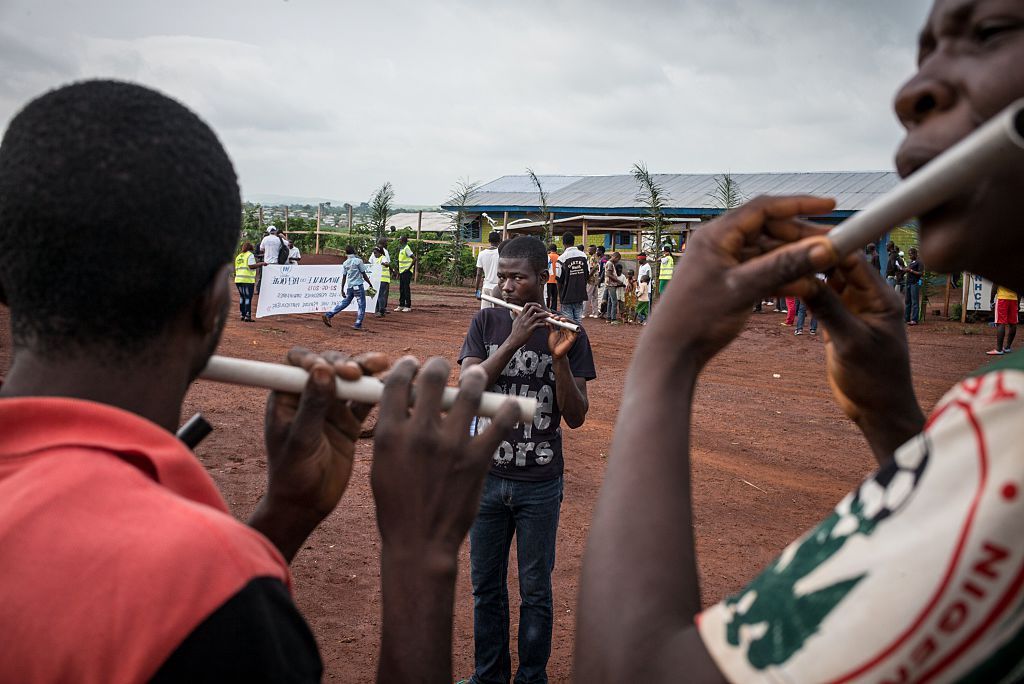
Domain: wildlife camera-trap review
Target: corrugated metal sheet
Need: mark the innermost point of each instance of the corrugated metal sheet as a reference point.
(852, 191)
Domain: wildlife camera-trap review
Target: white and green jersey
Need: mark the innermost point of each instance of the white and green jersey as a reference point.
(916, 576)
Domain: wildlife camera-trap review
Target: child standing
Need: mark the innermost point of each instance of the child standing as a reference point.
(630, 298)
(643, 299)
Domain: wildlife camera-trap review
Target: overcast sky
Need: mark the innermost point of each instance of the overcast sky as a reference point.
(330, 99)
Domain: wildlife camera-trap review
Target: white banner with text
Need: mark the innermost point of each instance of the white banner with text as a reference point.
(308, 289)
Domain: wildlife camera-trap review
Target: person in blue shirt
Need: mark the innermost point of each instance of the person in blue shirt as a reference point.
(353, 274)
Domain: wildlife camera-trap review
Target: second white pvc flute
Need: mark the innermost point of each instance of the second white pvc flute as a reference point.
(282, 378)
(519, 309)
(955, 171)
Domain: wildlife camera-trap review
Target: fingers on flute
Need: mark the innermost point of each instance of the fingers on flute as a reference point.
(471, 388)
(394, 402)
(430, 384)
(776, 269)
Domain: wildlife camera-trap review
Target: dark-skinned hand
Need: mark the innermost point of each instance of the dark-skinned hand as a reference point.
(311, 438)
(865, 340)
(533, 317)
(560, 340)
(427, 471)
(731, 262)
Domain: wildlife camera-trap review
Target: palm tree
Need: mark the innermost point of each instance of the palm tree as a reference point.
(543, 205)
(380, 207)
(460, 196)
(727, 194)
(652, 196)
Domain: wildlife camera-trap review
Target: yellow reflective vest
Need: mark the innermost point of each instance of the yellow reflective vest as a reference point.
(385, 268)
(244, 274)
(404, 259)
(667, 266)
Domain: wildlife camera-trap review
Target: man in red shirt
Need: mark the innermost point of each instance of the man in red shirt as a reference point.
(121, 561)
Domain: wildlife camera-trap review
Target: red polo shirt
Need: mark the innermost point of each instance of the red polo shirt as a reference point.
(114, 544)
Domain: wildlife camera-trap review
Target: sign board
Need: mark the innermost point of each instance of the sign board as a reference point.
(978, 293)
(294, 289)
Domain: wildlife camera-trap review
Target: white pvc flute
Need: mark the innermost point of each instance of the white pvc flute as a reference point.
(997, 141)
(519, 309)
(282, 378)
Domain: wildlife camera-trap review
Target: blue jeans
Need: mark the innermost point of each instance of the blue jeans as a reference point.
(245, 298)
(801, 315)
(573, 312)
(528, 510)
(612, 310)
(912, 302)
(353, 292)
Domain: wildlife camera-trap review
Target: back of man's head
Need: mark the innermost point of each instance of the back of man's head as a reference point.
(494, 237)
(349, 249)
(103, 187)
(568, 239)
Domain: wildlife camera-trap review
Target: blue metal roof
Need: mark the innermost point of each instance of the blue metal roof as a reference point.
(685, 194)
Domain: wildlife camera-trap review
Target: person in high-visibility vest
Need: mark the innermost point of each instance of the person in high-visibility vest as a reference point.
(668, 264)
(406, 260)
(380, 256)
(245, 279)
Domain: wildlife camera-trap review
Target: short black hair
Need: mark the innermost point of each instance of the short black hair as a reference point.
(494, 237)
(600, 249)
(525, 247)
(101, 184)
(568, 239)
(552, 247)
(349, 249)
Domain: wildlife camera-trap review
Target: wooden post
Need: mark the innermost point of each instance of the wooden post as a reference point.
(416, 264)
(949, 282)
(350, 220)
(261, 218)
(963, 298)
(318, 207)
(286, 218)
(583, 238)
(504, 227)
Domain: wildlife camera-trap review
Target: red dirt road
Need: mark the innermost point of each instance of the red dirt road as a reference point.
(784, 436)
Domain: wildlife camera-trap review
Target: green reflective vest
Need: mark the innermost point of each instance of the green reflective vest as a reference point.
(244, 274)
(667, 266)
(385, 268)
(404, 259)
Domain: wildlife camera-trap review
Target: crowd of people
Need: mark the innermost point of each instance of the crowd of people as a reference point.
(122, 562)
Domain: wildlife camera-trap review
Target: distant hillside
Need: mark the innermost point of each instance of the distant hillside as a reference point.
(270, 199)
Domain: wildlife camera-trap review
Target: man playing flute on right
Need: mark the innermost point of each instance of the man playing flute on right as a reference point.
(917, 574)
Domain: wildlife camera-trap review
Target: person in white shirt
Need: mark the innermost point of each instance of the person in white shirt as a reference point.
(270, 246)
(487, 268)
(294, 256)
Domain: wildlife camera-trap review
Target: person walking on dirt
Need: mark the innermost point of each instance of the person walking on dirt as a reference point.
(912, 288)
(353, 274)
(593, 273)
(916, 573)
(666, 267)
(572, 279)
(522, 495)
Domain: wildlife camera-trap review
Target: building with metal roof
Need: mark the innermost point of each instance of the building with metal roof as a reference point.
(612, 206)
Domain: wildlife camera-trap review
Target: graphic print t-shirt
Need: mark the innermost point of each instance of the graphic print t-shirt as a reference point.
(572, 279)
(916, 575)
(532, 451)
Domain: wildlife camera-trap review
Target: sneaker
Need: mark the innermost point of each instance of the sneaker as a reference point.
(912, 323)
(379, 314)
(814, 332)
(407, 309)
(788, 325)
(1007, 350)
(326, 319)
(798, 332)
(995, 352)
(398, 308)
(357, 327)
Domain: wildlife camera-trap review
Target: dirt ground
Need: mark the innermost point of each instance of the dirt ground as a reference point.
(771, 457)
